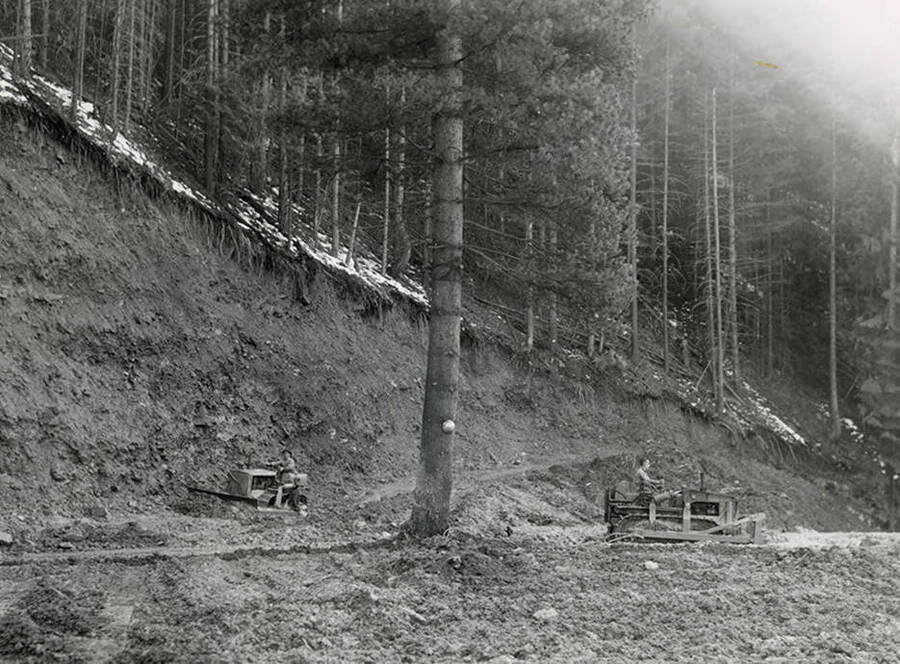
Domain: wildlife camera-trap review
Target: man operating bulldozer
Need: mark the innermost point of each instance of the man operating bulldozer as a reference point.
(649, 488)
(287, 467)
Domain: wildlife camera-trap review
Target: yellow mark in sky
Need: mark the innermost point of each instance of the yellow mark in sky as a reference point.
(766, 64)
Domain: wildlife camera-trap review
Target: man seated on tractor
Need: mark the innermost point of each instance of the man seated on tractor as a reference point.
(646, 484)
(287, 468)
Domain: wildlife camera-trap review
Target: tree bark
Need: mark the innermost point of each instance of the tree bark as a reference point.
(632, 230)
(261, 164)
(431, 498)
(129, 74)
(832, 291)
(336, 197)
(529, 296)
(402, 248)
(80, 43)
(283, 181)
(169, 79)
(336, 158)
(665, 216)
(732, 245)
(212, 129)
(429, 237)
(893, 239)
(553, 313)
(114, 67)
(25, 45)
(710, 289)
(770, 294)
(386, 229)
(45, 33)
(149, 43)
(720, 350)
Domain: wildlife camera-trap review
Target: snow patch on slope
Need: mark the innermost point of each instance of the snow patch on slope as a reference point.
(364, 267)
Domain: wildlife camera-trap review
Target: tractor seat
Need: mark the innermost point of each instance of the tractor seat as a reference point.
(625, 491)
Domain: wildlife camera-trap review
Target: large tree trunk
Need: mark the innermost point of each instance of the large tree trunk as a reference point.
(24, 46)
(169, 78)
(212, 129)
(832, 291)
(553, 296)
(402, 248)
(45, 33)
(720, 350)
(148, 59)
(529, 296)
(665, 216)
(710, 289)
(893, 239)
(336, 158)
(632, 229)
(114, 67)
(732, 245)
(431, 498)
(129, 73)
(260, 167)
(284, 221)
(429, 237)
(386, 225)
(80, 44)
(770, 293)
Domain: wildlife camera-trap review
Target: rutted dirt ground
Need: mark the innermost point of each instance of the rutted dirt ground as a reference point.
(138, 353)
(544, 593)
(524, 575)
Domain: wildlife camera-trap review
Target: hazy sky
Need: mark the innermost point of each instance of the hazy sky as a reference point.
(851, 44)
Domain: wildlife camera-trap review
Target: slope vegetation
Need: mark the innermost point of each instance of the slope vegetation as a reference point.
(141, 350)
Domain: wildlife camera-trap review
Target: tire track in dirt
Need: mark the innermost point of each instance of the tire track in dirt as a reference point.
(224, 551)
(464, 483)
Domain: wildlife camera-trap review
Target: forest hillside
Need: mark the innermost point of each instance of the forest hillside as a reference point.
(469, 263)
(145, 351)
(140, 352)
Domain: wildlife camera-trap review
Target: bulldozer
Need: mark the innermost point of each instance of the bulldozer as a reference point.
(261, 488)
(682, 515)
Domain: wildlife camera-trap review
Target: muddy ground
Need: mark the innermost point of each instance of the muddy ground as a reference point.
(525, 574)
(547, 588)
(140, 351)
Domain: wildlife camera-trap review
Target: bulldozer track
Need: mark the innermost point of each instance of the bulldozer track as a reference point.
(466, 481)
(225, 552)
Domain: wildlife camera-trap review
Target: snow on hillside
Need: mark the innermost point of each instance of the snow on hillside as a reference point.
(120, 149)
(258, 216)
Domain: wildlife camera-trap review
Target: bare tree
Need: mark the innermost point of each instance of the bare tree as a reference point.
(115, 63)
(24, 45)
(710, 288)
(732, 243)
(386, 230)
(129, 75)
(665, 212)
(529, 297)
(78, 75)
(632, 228)
(893, 238)
(431, 498)
(832, 289)
(212, 97)
(45, 33)
(402, 249)
(717, 254)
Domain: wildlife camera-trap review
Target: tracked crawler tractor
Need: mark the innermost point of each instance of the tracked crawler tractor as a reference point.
(260, 487)
(683, 515)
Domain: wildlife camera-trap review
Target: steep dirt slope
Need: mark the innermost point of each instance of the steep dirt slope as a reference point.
(137, 352)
